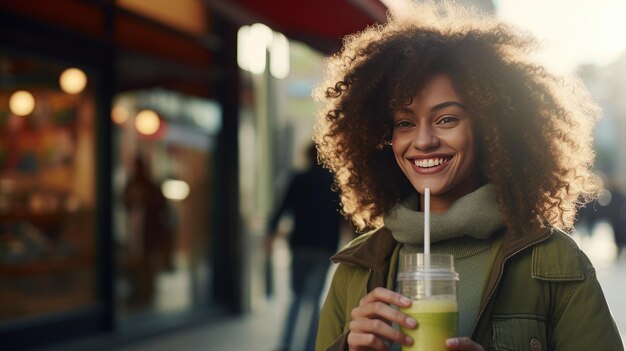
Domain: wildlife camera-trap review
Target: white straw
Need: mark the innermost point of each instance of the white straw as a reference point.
(427, 239)
(427, 221)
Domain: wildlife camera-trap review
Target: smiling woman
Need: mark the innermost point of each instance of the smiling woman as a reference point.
(448, 99)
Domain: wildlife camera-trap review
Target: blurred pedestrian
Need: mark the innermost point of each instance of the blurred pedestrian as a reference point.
(313, 239)
(616, 215)
(150, 246)
(589, 215)
(449, 99)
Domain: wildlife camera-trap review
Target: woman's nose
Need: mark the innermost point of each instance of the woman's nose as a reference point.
(425, 139)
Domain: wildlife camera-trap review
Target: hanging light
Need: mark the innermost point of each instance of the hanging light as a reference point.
(22, 103)
(243, 48)
(73, 80)
(279, 56)
(147, 122)
(252, 44)
(259, 40)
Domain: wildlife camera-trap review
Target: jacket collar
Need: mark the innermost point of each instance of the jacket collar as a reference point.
(371, 251)
(513, 242)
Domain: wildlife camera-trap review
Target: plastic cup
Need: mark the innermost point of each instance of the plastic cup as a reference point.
(430, 282)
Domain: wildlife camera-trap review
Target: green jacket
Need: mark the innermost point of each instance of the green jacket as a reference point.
(541, 294)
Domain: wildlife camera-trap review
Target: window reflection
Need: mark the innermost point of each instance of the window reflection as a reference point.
(163, 201)
(47, 192)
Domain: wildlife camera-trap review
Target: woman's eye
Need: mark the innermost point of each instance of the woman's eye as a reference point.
(447, 120)
(403, 124)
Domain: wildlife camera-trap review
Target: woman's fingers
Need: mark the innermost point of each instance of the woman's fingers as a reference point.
(377, 303)
(377, 329)
(382, 311)
(371, 328)
(385, 295)
(463, 344)
(357, 341)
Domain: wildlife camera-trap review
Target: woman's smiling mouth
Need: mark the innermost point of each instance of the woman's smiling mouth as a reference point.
(430, 165)
(430, 162)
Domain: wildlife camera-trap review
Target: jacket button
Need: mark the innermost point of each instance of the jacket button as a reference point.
(535, 344)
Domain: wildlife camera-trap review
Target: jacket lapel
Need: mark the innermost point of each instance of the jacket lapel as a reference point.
(374, 254)
(370, 253)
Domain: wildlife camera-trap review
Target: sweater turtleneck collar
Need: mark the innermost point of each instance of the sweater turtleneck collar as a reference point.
(476, 214)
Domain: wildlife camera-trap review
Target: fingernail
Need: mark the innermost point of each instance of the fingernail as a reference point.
(452, 342)
(410, 322)
(408, 340)
(405, 300)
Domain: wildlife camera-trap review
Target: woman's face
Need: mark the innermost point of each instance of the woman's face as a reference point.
(434, 144)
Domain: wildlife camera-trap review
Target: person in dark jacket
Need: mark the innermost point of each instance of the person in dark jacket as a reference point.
(313, 239)
(616, 215)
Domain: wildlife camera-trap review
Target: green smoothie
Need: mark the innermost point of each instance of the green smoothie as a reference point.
(437, 321)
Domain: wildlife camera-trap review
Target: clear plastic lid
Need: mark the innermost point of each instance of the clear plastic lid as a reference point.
(418, 266)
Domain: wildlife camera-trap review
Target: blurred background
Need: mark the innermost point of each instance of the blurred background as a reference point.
(144, 145)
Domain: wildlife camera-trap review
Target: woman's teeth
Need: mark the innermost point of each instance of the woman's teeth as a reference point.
(431, 162)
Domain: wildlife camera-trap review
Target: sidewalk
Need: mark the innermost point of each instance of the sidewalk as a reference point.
(257, 331)
(610, 270)
(261, 331)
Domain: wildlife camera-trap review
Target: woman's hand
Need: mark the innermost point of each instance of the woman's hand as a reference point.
(370, 328)
(463, 344)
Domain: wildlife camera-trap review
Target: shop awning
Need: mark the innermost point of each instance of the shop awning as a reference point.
(320, 23)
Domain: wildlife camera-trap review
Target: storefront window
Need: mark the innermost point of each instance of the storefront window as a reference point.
(163, 201)
(47, 189)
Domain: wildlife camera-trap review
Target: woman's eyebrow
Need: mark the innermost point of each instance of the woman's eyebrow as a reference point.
(446, 104)
(404, 109)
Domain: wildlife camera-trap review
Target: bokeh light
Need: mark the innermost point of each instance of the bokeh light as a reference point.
(120, 114)
(260, 38)
(173, 189)
(22, 103)
(279, 56)
(73, 81)
(253, 44)
(147, 122)
(605, 197)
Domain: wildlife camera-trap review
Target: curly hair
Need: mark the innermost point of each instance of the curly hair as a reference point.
(535, 127)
